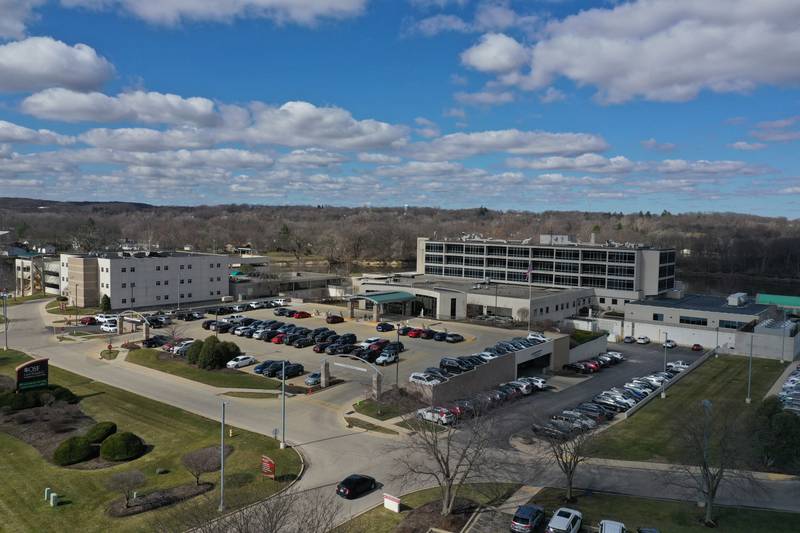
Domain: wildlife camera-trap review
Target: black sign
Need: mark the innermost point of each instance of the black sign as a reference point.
(32, 375)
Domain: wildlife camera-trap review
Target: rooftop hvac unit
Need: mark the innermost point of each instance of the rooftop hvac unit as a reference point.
(737, 299)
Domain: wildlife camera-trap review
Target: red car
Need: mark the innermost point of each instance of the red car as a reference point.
(415, 333)
(378, 345)
(334, 319)
(697, 348)
(593, 366)
(300, 314)
(278, 339)
(88, 321)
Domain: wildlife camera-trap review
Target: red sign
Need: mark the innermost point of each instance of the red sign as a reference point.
(267, 467)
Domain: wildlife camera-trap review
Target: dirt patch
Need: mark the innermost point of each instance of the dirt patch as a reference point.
(424, 517)
(157, 499)
(45, 428)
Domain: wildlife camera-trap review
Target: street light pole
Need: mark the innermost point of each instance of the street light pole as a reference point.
(283, 404)
(222, 461)
(749, 371)
(4, 296)
(397, 363)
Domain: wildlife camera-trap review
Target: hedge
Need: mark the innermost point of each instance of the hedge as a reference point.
(122, 447)
(37, 398)
(73, 450)
(100, 432)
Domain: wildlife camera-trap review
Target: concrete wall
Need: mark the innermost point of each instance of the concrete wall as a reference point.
(768, 346)
(83, 281)
(561, 352)
(683, 334)
(464, 385)
(588, 349)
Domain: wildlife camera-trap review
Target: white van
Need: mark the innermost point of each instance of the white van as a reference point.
(226, 299)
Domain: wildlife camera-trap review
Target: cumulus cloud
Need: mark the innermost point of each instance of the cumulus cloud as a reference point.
(489, 16)
(777, 130)
(670, 50)
(171, 12)
(583, 163)
(551, 95)
(137, 106)
(704, 167)
(14, 15)
(382, 159)
(487, 98)
(495, 53)
(437, 24)
(312, 157)
(652, 144)
(41, 62)
(746, 146)
(13, 133)
(561, 179)
(427, 128)
(462, 145)
(147, 140)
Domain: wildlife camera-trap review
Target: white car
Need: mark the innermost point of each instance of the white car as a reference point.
(669, 344)
(524, 386)
(437, 415)
(611, 526)
(386, 358)
(240, 307)
(255, 305)
(280, 301)
(109, 326)
(232, 318)
(182, 344)
(565, 520)
(643, 340)
(241, 360)
(537, 383)
(257, 334)
(369, 341)
(487, 356)
(678, 366)
(104, 318)
(423, 379)
(616, 356)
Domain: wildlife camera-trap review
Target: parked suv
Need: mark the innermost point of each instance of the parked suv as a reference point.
(292, 370)
(565, 520)
(437, 415)
(527, 518)
(453, 365)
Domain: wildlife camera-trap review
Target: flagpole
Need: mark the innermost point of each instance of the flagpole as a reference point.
(530, 311)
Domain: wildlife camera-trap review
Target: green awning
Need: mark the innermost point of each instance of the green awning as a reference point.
(387, 297)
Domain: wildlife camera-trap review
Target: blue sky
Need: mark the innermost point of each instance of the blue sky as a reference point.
(620, 106)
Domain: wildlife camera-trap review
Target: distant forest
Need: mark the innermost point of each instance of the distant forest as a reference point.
(716, 243)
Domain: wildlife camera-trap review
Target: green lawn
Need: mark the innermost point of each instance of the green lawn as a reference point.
(667, 516)
(650, 434)
(54, 308)
(216, 378)
(29, 298)
(170, 431)
(363, 424)
(380, 520)
(253, 395)
(379, 410)
(109, 354)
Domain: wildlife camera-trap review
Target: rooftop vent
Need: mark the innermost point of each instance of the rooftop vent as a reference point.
(737, 299)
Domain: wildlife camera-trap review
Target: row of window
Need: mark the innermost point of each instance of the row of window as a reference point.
(666, 270)
(693, 320)
(666, 284)
(666, 257)
(536, 278)
(601, 256)
(516, 264)
(613, 301)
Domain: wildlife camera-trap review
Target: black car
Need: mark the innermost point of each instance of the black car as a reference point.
(595, 409)
(473, 360)
(440, 336)
(273, 369)
(295, 369)
(576, 367)
(317, 331)
(276, 324)
(404, 330)
(344, 348)
(291, 338)
(384, 326)
(395, 347)
(454, 366)
(436, 372)
(427, 334)
(355, 485)
(207, 324)
(333, 339)
(348, 338)
(303, 342)
(223, 327)
(155, 341)
(331, 349)
(282, 311)
(454, 337)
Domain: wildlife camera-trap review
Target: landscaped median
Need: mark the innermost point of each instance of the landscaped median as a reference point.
(223, 377)
(168, 434)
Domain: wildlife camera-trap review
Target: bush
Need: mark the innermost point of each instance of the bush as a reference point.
(61, 298)
(131, 346)
(73, 450)
(37, 398)
(122, 447)
(193, 353)
(100, 432)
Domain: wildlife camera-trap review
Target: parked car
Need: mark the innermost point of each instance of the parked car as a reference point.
(109, 326)
(88, 321)
(697, 348)
(628, 339)
(437, 373)
(292, 370)
(263, 365)
(241, 360)
(386, 358)
(423, 379)
(395, 346)
(313, 379)
(527, 519)
(281, 311)
(616, 355)
(334, 319)
(454, 337)
(565, 520)
(300, 314)
(222, 327)
(303, 342)
(355, 485)
(384, 326)
(669, 344)
(437, 415)
(274, 368)
(440, 336)
(595, 410)
(155, 341)
(680, 366)
(536, 383)
(415, 333)
(404, 330)
(278, 339)
(427, 334)
(643, 340)
(577, 367)
(612, 526)
(453, 365)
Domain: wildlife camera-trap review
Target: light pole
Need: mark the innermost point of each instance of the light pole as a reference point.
(530, 294)
(397, 364)
(663, 390)
(4, 296)
(749, 371)
(283, 404)
(222, 461)
(706, 428)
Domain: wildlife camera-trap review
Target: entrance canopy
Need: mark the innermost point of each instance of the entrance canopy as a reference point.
(386, 297)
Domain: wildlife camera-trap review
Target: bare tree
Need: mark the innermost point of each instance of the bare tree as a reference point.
(713, 448)
(450, 456)
(568, 452)
(126, 483)
(204, 460)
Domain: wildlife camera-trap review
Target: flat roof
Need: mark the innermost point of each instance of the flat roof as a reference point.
(704, 302)
(386, 297)
(780, 300)
(530, 243)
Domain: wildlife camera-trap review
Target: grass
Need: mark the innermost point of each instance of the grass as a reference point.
(377, 410)
(29, 298)
(81, 334)
(109, 354)
(54, 308)
(363, 424)
(171, 431)
(233, 379)
(578, 337)
(650, 434)
(253, 395)
(669, 516)
(380, 520)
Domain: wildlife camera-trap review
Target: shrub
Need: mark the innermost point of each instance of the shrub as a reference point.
(131, 346)
(100, 432)
(73, 450)
(122, 447)
(193, 353)
(61, 298)
(105, 304)
(37, 398)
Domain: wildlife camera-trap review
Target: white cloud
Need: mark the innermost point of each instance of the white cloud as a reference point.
(777, 130)
(791, 190)
(171, 12)
(22, 183)
(455, 112)
(746, 146)
(136, 106)
(495, 53)
(652, 144)
(670, 50)
(462, 145)
(561, 179)
(382, 159)
(551, 95)
(704, 167)
(484, 97)
(41, 62)
(14, 14)
(312, 157)
(583, 163)
(13, 133)
(428, 128)
(426, 169)
(146, 140)
(494, 16)
(437, 24)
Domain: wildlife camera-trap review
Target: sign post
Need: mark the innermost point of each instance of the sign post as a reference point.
(32, 375)
(267, 467)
